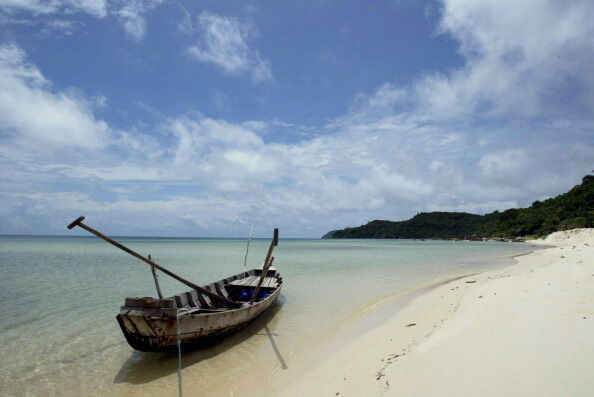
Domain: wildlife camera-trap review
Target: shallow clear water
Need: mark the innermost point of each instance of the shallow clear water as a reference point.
(59, 297)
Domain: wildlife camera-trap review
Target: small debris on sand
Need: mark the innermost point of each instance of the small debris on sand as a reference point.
(411, 324)
(470, 281)
(480, 297)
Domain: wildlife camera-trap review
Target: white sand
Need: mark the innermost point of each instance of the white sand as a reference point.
(527, 330)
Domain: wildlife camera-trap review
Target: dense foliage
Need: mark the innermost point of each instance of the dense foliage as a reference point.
(566, 211)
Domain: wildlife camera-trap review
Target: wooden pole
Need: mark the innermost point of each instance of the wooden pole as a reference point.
(247, 249)
(154, 271)
(267, 264)
(219, 298)
(261, 281)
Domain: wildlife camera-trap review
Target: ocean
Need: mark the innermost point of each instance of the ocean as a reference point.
(59, 297)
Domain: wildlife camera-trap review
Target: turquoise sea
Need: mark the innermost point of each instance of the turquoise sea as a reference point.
(59, 297)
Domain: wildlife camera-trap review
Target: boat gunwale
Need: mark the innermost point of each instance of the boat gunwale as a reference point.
(221, 311)
(231, 310)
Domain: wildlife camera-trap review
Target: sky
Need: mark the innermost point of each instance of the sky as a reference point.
(207, 118)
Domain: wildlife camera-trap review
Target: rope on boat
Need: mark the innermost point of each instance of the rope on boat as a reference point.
(179, 362)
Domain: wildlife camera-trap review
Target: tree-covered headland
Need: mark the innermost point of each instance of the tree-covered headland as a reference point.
(569, 210)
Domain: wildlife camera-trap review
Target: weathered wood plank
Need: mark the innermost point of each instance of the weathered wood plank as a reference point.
(149, 302)
(252, 282)
(201, 299)
(191, 300)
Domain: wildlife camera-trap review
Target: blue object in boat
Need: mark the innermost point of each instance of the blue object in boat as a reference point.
(245, 294)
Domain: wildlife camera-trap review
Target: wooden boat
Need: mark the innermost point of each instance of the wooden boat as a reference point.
(151, 324)
(199, 316)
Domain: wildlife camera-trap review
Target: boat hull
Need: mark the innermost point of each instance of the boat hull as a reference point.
(152, 329)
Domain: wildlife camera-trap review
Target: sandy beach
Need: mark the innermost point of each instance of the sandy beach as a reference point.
(525, 330)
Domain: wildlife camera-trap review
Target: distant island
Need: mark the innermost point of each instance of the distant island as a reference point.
(574, 209)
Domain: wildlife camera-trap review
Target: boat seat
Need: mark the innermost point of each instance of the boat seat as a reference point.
(191, 301)
(179, 303)
(252, 281)
(203, 300)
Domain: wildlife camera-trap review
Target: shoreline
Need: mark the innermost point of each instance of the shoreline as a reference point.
(372, 314)
(499, 332)
(404, 297)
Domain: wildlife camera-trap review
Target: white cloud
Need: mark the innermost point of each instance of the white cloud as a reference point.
(224, 156)
(63, 27)
(200, 136)
(128, 12)
(122, 172)
(97, 8)
(522, 59)
(252, 162)
(130, 16)
(33, 114)
(134, 24)
(504, 163)
(339, 179)
(223, 43)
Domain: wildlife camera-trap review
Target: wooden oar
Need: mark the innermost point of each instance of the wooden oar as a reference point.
(217, 297)
(267, 264)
